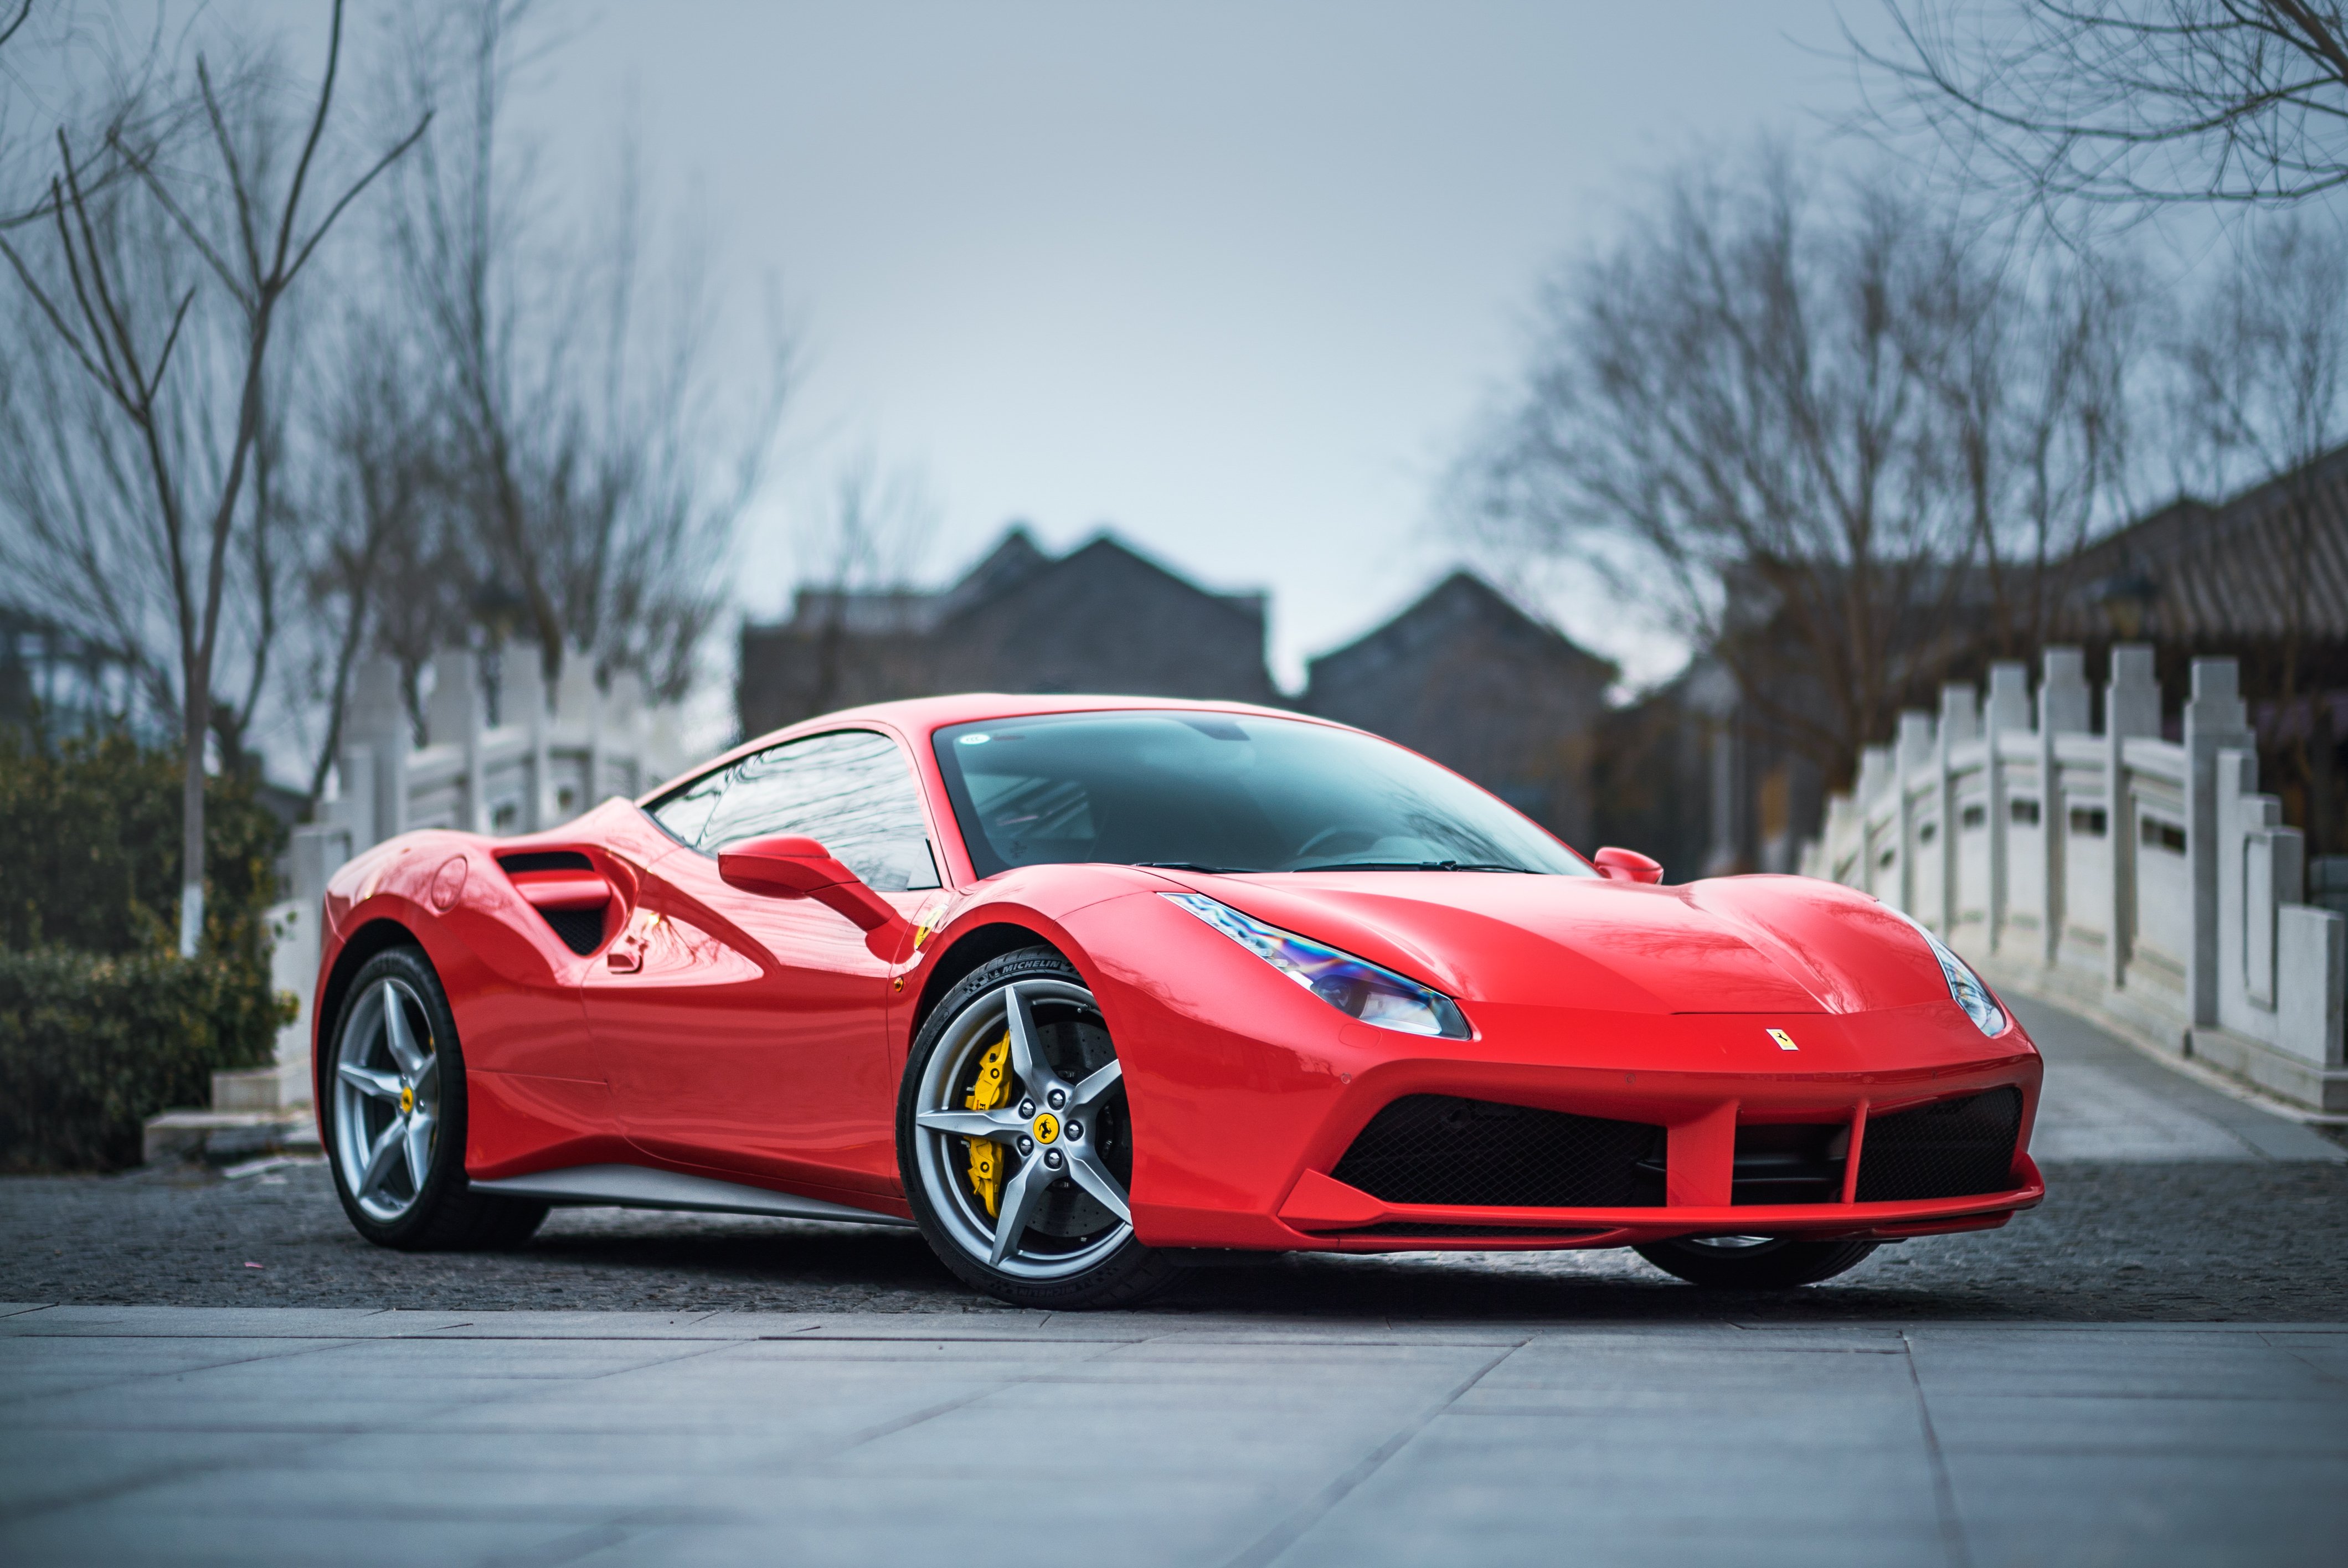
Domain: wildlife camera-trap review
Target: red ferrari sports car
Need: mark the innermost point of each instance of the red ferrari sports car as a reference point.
(1083, 987)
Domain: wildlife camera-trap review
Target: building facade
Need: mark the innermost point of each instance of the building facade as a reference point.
(1468, 679)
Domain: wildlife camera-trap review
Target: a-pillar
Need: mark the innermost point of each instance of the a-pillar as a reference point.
(2215, 720)
(2063, 704)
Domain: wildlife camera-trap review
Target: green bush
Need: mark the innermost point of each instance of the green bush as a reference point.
(91, 1046)
(89, 833)
(101, 1024)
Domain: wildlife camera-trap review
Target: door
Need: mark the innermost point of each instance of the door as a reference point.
(747, 1034)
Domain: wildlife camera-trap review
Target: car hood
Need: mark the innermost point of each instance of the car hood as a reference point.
(1739, 944)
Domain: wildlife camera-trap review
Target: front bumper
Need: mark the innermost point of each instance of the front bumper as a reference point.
(1247, 1092)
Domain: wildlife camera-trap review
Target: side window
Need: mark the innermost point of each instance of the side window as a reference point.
(851, 791)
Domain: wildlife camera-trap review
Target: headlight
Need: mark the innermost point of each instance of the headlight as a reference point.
(1963, 984)
(1354, 987)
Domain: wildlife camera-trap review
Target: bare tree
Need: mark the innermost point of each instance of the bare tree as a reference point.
(2129, 101)
(591, 466)
(195, 455)
(1808, 427)
(2262, 393)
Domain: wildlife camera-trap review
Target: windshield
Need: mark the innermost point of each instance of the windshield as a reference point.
(1221, 793)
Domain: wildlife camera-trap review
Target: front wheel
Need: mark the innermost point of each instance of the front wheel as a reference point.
(396, 1080)
(1015, 1144)
(1753, 1261)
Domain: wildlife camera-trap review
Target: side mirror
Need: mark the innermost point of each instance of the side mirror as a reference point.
(794, 867)
(1627, 866)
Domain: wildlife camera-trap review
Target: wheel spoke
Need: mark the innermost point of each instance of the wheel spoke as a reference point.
(1093, 1177)
(418, 1140)
(427, 1082)
(395, 1034)
(379, 1158)
(1022, 1195)
(1001, 1126)
(1027, 1062)
(368, 1081)
(1089, 1094)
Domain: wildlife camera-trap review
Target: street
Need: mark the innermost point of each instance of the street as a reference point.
(2152, 1367)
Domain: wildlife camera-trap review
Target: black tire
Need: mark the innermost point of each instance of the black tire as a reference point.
(444, 1214)
(1778, 1263)
(1127, 1274)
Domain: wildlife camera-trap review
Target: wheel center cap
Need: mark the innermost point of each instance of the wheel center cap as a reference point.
(407, 1100)
(1047, 1128)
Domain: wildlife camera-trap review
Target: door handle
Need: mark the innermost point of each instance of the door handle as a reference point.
(627, 961)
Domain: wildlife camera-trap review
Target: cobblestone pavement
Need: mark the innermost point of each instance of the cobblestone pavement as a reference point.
(2200, 1241)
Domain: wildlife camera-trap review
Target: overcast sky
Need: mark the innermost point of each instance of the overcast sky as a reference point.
(1231, 280)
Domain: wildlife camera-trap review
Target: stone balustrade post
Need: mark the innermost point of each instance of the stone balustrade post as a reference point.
(1914, 756)
(521, 703)
(2008, 710)
(2215, 720)
(1960, 721)
(374, 761)
(2131, 708)
(454, 717)
(2062, 709)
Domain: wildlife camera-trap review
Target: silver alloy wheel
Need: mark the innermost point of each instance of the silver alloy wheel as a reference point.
(1070, 1151)
(386, 1100)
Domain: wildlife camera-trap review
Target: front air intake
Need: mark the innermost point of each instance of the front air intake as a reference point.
(1440, 1148)
(1954, 1149)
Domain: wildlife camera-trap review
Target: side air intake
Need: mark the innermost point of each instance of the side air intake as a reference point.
(1440, 1148)
(569, 894)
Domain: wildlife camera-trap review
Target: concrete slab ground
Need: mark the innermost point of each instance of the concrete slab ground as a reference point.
(2151, 1369)
(174, 1435)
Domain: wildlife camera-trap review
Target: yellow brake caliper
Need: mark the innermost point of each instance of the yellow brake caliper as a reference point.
(990, 1091)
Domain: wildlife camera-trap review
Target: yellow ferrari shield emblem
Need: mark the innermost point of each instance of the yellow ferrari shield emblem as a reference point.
(406, 1101)
(1048, 1127)
(1784, 1042)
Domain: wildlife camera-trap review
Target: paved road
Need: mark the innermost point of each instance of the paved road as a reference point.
(163, 1435)
(2152, 1367)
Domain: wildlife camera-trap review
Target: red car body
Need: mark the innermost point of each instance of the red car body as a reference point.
(758, 1041)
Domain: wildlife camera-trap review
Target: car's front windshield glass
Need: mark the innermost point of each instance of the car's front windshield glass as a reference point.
(1219, 792)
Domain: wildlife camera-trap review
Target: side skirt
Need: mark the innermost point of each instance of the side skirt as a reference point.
(642, 1187)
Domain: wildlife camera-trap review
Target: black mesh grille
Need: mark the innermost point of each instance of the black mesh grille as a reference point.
(1952, 1150)
(1439, 1149)
(580, 930)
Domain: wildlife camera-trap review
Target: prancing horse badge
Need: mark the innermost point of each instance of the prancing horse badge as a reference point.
(1784, 1042)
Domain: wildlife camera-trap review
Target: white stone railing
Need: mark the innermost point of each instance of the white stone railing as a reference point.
(2144, 880)
(541, 764)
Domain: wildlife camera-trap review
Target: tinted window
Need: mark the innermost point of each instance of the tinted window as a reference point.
(1234, 794)
(851, 791)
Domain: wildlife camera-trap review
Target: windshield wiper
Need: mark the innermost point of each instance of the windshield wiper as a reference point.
(1186, 866)
(1410, 865)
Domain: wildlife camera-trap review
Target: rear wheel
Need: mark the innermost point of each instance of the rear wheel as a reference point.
(1754, 1262)
(395, 1080)
(1015, 1144)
